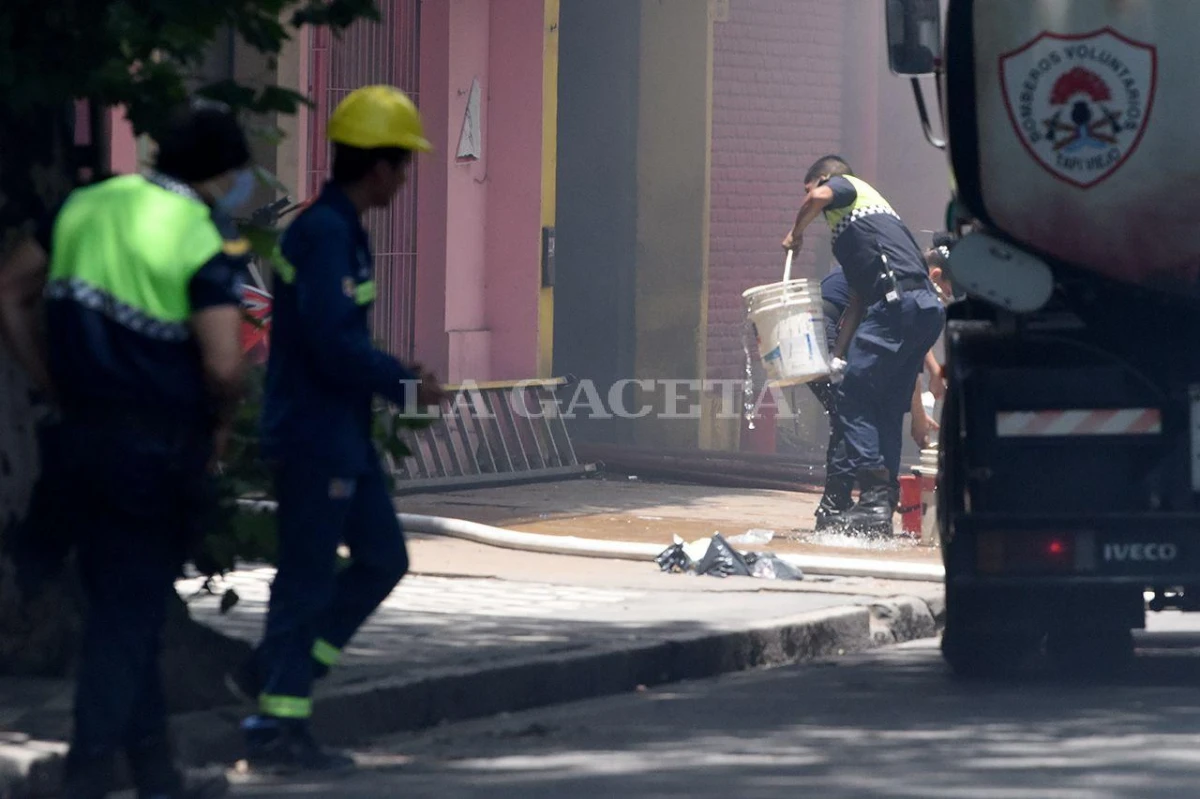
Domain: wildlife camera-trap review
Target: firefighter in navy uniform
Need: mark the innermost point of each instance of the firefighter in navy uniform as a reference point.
(893, 318)
(142, 328)
(322, 376)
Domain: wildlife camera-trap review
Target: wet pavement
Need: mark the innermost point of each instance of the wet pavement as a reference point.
(648, 512)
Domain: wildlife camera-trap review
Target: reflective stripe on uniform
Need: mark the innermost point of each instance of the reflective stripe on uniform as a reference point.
(326, 653)
(285, 707)
(365, 293)
(868, 202)
(127, 316)
(282, 266)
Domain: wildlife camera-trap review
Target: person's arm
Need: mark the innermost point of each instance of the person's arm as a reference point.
(22, 281)
(340, 346)
(216, 321)
(218, 333)
(937, 375)
(922, 424)
(851, 319)
(835, 193)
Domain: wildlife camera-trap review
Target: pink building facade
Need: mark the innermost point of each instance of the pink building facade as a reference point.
(458, 257)
(669, 170)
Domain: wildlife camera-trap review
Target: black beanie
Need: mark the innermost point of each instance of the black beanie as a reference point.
(944, 240)
(200, 143)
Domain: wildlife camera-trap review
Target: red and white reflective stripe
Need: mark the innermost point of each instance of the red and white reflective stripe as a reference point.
(1122, 422)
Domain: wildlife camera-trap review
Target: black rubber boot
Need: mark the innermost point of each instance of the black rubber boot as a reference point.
(837, 499)
(872, 516)
(286, 746)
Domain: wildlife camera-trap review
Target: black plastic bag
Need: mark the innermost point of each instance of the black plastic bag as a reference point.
(722, 560)
(769, 566)
(674, 560)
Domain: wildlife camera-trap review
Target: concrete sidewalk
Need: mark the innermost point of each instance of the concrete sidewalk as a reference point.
(476, 631)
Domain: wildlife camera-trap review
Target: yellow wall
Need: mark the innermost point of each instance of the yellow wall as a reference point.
(674, 149)
(549, 178)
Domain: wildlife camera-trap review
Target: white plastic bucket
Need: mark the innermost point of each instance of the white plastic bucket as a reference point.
(789, 325)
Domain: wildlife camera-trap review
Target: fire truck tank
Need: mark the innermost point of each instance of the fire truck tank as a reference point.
(1086, 118)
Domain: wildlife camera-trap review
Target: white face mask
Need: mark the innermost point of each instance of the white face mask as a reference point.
(239, 193)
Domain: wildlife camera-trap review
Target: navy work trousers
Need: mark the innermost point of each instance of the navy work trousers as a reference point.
(140, 496)
(316, 609)
(826, 394)
(883, 363)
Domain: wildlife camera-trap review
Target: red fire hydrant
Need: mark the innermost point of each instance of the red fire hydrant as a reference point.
(910, 505)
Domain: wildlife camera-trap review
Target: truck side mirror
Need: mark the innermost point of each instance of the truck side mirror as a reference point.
(914, 30)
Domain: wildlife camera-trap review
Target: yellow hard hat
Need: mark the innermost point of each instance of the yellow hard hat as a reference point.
(378, 116)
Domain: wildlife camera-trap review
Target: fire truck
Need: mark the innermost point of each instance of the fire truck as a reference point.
(1069, 467)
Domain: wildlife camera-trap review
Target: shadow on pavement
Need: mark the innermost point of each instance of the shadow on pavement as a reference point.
(887, 724)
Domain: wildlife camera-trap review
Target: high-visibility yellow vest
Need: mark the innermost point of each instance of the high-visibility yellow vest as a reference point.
(129, 248)
(867, 203)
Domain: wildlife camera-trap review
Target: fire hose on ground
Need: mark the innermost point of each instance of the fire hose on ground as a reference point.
(627, 550)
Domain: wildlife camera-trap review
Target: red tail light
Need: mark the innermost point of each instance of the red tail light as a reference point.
(1035, 552)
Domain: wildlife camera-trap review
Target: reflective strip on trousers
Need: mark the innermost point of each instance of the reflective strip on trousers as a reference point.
(285, 707)
(326, 653)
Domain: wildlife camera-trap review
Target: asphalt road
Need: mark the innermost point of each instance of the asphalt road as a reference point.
(891, 723)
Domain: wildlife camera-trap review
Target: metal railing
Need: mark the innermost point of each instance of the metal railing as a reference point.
(501, 433)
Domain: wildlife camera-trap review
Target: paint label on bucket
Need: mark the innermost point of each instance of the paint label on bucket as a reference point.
(800, 353)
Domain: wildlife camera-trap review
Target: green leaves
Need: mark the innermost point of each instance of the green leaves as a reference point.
(336, 14)
(146, 53)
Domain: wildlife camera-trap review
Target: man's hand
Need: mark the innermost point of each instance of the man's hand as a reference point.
(922, 427)
(429, 389)
(837, 370)
(793, 242)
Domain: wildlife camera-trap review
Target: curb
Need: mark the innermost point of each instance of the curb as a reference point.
(352, 716)
(32, 769)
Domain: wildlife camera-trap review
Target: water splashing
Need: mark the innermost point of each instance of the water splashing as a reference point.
(749, 345)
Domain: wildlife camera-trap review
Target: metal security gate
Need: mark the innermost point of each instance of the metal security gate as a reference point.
(369, 53)
(491, 434)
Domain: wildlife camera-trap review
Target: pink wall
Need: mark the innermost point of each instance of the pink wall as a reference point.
(466, 201)
(431, 341)
(479, 223)
(123, 145)
(514, 187)
(451, 205)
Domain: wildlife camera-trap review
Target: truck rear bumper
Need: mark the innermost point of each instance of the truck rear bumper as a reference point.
(1115, 549)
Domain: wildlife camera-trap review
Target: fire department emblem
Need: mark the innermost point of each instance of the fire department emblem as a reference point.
(1080, 104)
